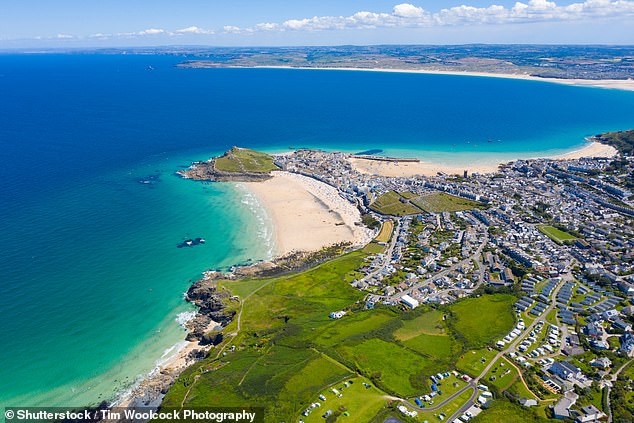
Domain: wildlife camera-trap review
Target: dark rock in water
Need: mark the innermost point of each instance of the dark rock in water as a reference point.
(150, 179)
(368, 152)
(191, 242)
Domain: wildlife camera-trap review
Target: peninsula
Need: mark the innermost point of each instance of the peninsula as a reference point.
(237, 164)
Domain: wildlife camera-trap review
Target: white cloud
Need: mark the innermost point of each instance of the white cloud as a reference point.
(406, 10)
(409, 15)
(267, 26)
(100, 35)
(230, 29)
(194, 30)
(151, 31)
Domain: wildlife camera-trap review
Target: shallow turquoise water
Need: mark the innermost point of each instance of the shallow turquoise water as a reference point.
(91, 281)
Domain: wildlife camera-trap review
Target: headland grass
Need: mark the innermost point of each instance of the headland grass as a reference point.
(240, 160)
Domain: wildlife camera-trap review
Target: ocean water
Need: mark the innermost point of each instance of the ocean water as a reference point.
(91, 281)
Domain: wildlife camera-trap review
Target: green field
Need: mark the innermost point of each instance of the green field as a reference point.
(555, 234)
(395, 368)
(361, 403)
(288, 351)
(401, 204)
(374, 248)
(448, 409)
(386, 231)
(244, 160)
(427, 334)
(429, 323)
(504, 411)
(474, 362)
(504, 374)
(441, 202)
(393, 204)
(482, 320)
(438, 346)
(359, 323)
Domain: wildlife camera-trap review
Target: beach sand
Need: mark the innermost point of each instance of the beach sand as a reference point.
(408, 169)
(308, 214)
(618, 84)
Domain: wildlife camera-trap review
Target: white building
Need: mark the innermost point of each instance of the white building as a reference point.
(409, 301)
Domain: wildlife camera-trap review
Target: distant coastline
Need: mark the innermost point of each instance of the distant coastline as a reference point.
(618, 84)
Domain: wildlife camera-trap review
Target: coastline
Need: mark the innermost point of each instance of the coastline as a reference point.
(307, 214)
(150, 389)
(616, 84)
(422, 168)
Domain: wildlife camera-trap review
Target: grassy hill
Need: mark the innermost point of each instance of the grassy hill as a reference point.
(288, 351)
(401, 204)
(243, 160)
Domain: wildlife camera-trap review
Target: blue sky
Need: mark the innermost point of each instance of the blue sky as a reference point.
(80, 23)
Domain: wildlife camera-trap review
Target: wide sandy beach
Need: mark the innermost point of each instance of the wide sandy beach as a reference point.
(618, 84)
(407, 169)
(307, 214)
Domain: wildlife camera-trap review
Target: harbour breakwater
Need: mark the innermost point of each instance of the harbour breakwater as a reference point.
(386, 159)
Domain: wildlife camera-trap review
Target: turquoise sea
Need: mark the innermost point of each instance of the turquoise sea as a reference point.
(91, 281)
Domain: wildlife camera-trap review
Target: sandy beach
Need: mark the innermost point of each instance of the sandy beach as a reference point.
(408, 169)
(307, 214)
(617, 84)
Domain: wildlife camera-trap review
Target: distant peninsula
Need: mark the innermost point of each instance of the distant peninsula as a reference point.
(563, 63)
(237, 164)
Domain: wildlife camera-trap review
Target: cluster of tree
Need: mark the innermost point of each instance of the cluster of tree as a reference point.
(370, 221)
(622, 410)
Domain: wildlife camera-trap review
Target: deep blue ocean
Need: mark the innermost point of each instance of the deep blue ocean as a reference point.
(91, 281)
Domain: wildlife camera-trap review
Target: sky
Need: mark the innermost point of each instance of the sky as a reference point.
(123, 23)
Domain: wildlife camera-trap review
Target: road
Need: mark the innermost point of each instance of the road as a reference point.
(388, 253)
(609, 387)
(475, 256)
(509, 349)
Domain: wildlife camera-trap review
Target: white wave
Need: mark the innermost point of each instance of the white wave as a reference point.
(264, 231)
(184, 317)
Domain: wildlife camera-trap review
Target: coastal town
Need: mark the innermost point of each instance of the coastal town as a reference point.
(538, 253)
